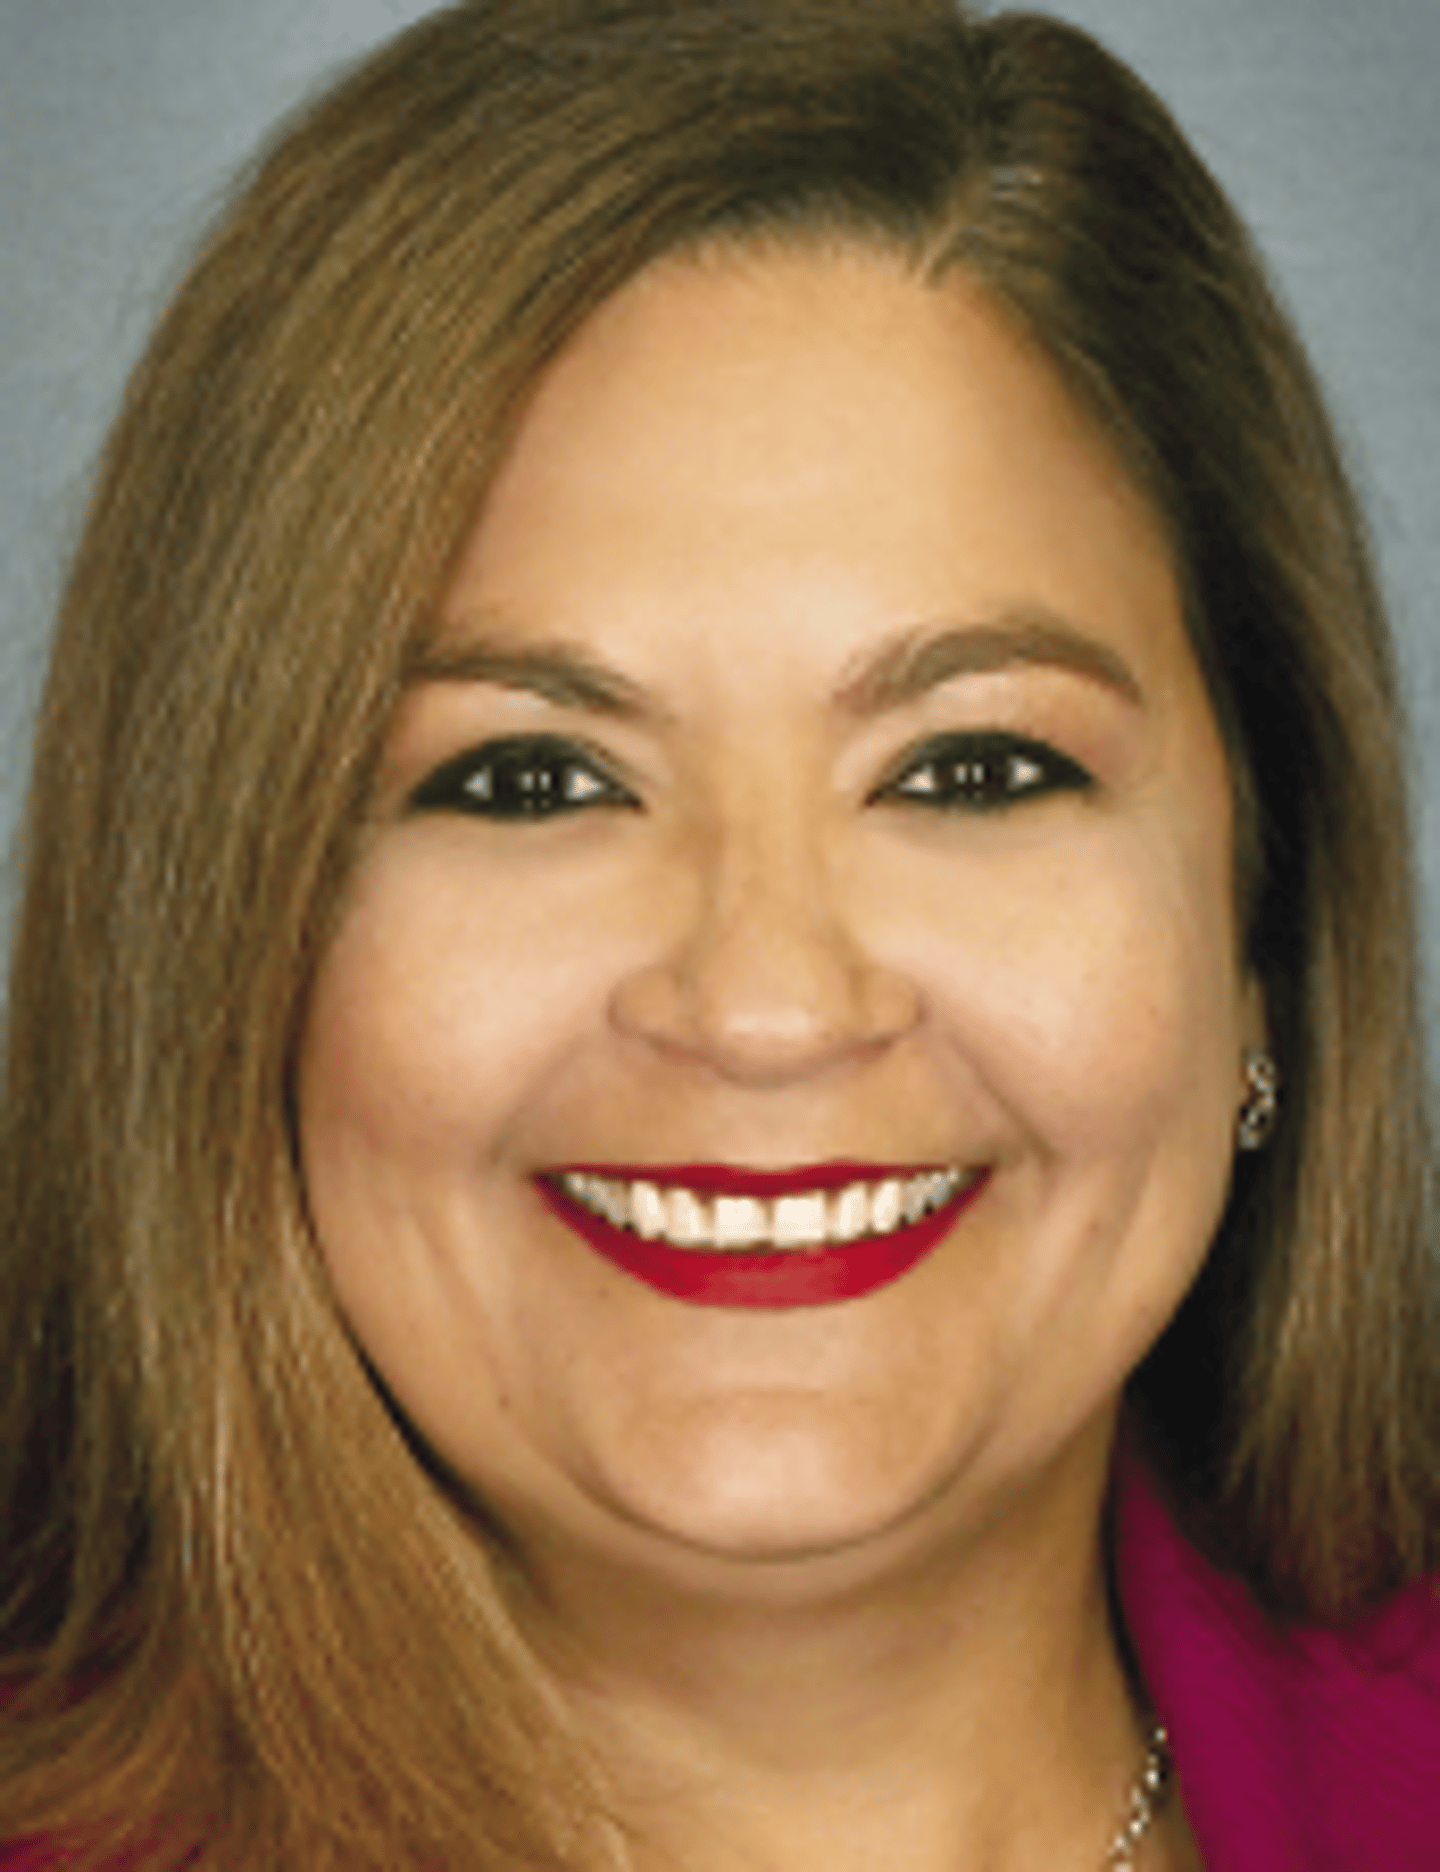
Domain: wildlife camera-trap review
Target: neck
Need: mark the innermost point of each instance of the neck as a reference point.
(963, 1705)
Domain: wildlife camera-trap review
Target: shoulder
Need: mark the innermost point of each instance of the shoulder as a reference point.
(24, 1855)
(47, 1855)
(1297, 1749)
(46, 1852)
(43, 1854)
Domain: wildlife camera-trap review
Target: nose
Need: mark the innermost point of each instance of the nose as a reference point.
(768, 980)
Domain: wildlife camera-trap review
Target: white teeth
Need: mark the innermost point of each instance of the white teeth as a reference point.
(804, 1220)
(850, 1218)
(800, 1221)
(740, 1221)
(688, 1223)
(648, 1208)
(886, 1207)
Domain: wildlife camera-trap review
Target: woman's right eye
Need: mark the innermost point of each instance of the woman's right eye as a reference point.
(521, 777)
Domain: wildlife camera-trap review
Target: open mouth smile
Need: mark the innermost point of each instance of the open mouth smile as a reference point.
(718, 1236)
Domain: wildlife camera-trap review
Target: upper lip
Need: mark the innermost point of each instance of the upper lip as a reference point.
(710, 1179)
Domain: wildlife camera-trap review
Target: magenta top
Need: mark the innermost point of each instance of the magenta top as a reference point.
(1297, 1750)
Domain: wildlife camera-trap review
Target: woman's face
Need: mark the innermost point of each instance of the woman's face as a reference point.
(810, 825)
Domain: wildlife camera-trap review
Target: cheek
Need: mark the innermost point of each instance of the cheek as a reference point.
(1089, 982)
(1089, 1006)
(444, 1003)
(442, 1014)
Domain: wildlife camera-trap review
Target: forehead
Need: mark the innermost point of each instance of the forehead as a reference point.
(811, 434)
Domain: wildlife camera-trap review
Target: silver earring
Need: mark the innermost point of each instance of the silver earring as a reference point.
(1261, 1103)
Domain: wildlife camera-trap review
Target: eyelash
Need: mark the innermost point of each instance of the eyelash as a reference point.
(981, 772)
(523, 777)
(534, 777)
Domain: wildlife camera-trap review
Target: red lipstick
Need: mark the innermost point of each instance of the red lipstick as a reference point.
(761, 1277)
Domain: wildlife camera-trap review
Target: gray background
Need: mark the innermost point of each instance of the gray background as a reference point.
(120, 121)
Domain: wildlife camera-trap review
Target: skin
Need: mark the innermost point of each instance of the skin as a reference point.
(823, 1580)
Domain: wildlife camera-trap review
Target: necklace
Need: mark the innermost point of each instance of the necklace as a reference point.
(1144, 1802)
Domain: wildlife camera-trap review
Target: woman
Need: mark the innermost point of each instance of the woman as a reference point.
(718, 846)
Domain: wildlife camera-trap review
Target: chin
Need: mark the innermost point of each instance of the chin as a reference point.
(770, 1481)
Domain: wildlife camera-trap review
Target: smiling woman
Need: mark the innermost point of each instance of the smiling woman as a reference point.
(853, 899)
(763, 1158)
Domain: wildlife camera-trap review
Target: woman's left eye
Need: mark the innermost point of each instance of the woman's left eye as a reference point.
(521, 777)
(981, 772)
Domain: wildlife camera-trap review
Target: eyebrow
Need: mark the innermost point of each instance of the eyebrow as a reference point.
(555, 671)
(904, 669)
(921, 660)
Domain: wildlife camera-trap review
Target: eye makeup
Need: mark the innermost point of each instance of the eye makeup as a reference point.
(981, 771)
(521, 777)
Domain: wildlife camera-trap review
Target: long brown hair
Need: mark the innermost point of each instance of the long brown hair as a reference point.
(249, 1613)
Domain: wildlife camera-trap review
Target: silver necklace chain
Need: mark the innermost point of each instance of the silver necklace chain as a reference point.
(1143, 1804)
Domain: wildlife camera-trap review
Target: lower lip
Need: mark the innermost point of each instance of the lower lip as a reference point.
(792, 1277)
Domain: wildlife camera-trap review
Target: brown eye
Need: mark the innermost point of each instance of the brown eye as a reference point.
(981, 773)
(521, 777)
